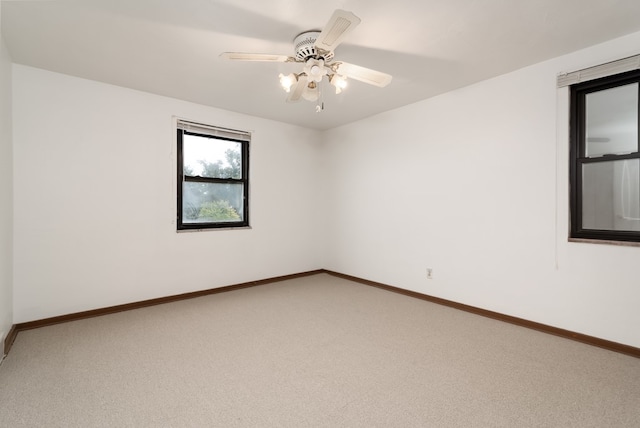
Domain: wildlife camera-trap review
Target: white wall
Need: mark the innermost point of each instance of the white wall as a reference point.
(474, 184)
(95, 199)
(6, 196)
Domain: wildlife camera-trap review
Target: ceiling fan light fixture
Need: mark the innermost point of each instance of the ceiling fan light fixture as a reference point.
(287, 81)
(311, 92)
(315, 69)
(339, 82)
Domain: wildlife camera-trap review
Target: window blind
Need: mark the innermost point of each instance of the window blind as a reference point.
(598, 71)
(214, 131)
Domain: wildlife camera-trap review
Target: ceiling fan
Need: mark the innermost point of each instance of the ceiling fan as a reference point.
(315, 49)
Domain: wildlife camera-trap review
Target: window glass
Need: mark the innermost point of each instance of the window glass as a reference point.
(611, 195)
(210, 157)
(212, 202)
(611, 117)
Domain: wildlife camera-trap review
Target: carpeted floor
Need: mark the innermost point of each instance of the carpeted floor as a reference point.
(317, 351)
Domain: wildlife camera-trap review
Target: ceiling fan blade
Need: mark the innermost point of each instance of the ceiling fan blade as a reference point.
(366, 75)
(339, 25)
(296, 92)
(241, 56)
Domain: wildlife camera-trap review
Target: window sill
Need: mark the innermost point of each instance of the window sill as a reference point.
(605, 242)
(208, 229)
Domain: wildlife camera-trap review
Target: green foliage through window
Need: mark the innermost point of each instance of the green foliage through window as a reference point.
(218, 211)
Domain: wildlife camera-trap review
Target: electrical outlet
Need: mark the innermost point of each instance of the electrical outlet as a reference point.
(429, 273)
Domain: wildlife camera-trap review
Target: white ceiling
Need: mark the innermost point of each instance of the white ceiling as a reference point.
(171, 47)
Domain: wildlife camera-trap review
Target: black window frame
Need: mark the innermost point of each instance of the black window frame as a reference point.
(578, 94)
(181, 179)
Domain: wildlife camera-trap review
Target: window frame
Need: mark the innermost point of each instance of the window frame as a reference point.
(181, 179)
(577, 156)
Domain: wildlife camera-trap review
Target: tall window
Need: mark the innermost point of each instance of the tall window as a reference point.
(605, 160)
(213, 177)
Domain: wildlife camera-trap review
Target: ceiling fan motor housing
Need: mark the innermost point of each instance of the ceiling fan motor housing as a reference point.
(305, 48)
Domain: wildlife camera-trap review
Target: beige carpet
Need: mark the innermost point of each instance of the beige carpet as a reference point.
(317, 351)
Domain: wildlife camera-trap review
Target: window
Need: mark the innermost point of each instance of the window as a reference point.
(605, 160)
(213, 177)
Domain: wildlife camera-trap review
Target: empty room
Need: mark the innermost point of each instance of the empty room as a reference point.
(319, 214)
